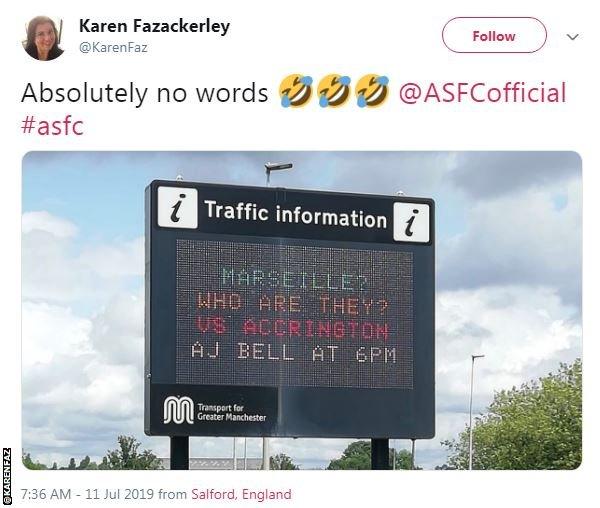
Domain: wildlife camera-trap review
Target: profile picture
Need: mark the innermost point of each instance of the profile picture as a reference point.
(43, 38)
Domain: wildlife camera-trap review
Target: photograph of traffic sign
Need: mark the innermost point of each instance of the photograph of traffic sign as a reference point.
(314, 299)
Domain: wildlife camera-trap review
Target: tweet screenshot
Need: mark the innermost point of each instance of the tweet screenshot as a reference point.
(260, 254)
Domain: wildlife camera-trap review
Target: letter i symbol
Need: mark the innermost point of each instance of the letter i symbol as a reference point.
(410, 221)
(176, 206)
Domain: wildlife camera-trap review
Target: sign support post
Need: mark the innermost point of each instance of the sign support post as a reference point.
(380, 454)
(180, 452)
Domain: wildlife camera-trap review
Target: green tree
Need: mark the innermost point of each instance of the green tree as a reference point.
(281, 461)
(403, 459)
(85, 462)
(444, 467)
(72, 464)
(536, 426)
(29, 464)
(127, 456)
(357, 455)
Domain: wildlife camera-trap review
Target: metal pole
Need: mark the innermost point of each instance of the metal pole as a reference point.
(245, 454)
(412, 454)
(380, 454)
(471, 416)
(234, 455)
(180, 452)
(473, 358)
(266, 465)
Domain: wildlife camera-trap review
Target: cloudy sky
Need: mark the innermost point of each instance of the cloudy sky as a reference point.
(508, 281)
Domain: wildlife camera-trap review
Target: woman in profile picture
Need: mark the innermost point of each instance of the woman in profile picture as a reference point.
(42, 39)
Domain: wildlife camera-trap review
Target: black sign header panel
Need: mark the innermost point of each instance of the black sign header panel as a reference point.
(277, 312)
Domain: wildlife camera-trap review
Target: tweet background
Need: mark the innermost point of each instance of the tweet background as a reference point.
(267, 42)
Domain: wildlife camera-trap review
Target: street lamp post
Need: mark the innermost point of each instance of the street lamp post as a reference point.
(271, 166)
(276, 166)
(234, 454)
(473, 358)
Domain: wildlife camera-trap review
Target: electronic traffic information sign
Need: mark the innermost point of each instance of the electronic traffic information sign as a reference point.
(278, 312)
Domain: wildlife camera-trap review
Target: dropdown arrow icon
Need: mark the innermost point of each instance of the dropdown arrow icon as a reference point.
(572, 37)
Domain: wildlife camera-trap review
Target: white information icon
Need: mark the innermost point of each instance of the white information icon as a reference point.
(177, 207)
(411, 222)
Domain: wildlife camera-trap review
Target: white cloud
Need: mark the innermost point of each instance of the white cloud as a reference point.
(118, 331)
(519, 238)
(56, 269)
(113, 390)
(114, 261)
(523, 328)
(49, 331)
(50, 272)
(483, 175)
(77, 397)
(82, 339)
(44, 221)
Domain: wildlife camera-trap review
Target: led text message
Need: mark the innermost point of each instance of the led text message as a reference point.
(293, 315)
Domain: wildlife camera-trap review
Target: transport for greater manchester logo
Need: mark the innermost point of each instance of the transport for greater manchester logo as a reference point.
(178, 410)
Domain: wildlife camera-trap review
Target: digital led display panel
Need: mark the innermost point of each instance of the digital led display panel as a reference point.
(285, 315)
(278, 312)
